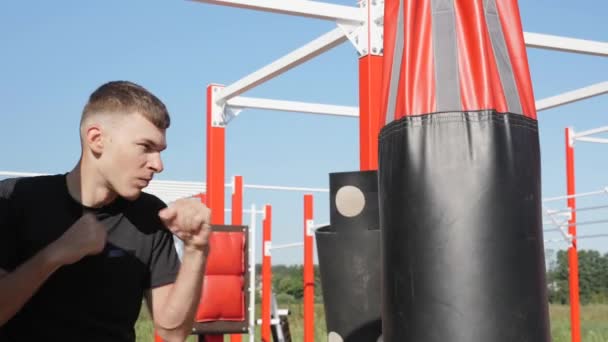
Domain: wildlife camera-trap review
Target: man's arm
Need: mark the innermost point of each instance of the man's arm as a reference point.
(173, 306)
(17, 287)
(86, 236)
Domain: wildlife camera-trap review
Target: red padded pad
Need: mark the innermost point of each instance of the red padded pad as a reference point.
(227, 254)
(223, 297)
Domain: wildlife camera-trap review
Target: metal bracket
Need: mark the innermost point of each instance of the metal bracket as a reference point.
(221, 114)
(310, 227)
(376, 26)
(571, 137)
(267, 248)
(230, 113)
(568, 215)
(367, 38)
(353, 32)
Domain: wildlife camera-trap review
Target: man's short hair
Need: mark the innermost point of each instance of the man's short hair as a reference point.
(128, 98)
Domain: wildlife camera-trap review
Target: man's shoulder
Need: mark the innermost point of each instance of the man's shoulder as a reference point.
(10, 187)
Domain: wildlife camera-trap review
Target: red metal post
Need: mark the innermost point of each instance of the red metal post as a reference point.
(215, 171)
(370, 105)
(266, 274)
(309, 271)
(575, 321)
(237, 220)
(237, 201)
(370, 90)
(216, 141)
(203, 197)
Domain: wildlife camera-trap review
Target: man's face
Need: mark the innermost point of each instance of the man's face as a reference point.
(131, 154)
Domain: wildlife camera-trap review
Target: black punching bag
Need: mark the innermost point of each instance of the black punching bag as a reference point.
(459, 177)
(349, 258)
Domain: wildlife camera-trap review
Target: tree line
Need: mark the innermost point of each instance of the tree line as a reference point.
(592, 273)
(287, 280)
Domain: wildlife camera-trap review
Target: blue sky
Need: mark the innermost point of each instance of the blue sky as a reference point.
(54, 53)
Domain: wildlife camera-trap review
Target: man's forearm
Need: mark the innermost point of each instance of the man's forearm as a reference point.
(18, 286)
(182, 301)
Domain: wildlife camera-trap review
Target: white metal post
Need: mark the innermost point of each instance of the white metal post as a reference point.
(252, 242)
(302, 8)
(314, 48)
(565, 44)
(242, 102)
(572, 96)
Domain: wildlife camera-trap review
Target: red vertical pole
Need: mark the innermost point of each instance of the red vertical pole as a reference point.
(266, 274)
(370, 104)
(215, 171)
(237, 220)
(309, 272)
(370, 89)
(215, 160)
(575, 321)
(203, 197)
(237, 201)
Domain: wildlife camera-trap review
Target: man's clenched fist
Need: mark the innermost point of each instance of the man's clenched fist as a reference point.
(87, 236)
(188, 219)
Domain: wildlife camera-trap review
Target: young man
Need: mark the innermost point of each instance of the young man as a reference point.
(79, 251)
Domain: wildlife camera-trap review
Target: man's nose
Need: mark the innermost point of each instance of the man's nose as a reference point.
(156, 163)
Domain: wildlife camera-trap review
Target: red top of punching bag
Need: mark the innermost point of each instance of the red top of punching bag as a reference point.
(454, 55)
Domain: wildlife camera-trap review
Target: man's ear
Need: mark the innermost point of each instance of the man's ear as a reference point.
(93, 138)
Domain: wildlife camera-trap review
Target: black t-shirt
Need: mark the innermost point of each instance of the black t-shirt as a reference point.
(99, 297)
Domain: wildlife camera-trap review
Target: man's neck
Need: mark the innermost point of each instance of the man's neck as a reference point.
(87, 187)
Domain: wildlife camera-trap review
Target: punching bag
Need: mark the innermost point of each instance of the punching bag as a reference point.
(459, 176)
(349, 258)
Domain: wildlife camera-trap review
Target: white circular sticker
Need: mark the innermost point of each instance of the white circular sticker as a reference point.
(350, 201)
(334, 337)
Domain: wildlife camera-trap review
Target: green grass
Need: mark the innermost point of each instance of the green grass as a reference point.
(594, 324)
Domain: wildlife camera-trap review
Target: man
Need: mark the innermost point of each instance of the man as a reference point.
(79, 251)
